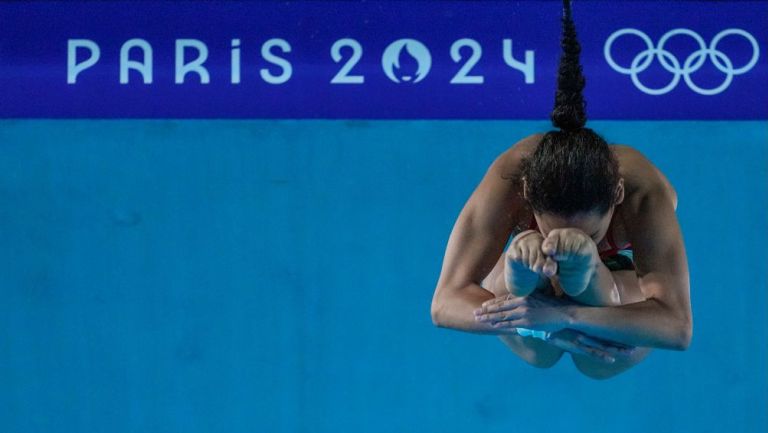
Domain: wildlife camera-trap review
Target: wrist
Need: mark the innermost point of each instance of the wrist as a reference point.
(571, 316)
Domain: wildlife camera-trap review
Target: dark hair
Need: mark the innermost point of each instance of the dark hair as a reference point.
(572, 170)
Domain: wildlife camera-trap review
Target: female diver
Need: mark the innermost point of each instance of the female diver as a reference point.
(596, 265)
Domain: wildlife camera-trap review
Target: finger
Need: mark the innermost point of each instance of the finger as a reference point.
(592, 342)
(612, 347)
(491, 309)
(513, 322)
(499, 299)
(620, 345)
(485, 305)
(600, 355)
(597, 353)
(629, 351)
(498, 317)
(506, 305)
(489, 317)
(505, 324)
(620, 351)
(574, 347)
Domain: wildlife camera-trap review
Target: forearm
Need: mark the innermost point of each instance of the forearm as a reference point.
(649, 324)
(455, 310)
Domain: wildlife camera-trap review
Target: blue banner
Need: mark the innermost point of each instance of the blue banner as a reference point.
(378, 59)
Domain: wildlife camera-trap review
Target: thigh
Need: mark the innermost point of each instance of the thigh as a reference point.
(494, 281)
(627, 292)
(629, 287)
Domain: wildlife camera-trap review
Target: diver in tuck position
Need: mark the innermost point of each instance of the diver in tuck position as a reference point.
(596, 265)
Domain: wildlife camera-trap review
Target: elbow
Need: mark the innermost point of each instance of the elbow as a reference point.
(686, 334)
(435, 312)
(679, 323)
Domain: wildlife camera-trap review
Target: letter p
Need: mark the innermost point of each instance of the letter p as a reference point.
(74, 68)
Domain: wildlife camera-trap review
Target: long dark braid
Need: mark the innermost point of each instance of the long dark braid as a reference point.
(572, 170)
(570, 108)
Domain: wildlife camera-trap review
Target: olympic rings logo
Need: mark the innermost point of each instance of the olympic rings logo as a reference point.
(692, 63)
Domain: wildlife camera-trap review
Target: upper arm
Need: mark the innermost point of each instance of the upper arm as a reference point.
(639, 171)
(657, 240)
(484, 225)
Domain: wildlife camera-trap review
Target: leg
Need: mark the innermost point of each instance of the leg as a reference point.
(532, 350)
(629, 292)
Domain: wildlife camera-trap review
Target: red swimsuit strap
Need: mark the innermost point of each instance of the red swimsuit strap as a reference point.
(614, 247)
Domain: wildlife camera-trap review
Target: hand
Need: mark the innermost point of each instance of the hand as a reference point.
(539, 312)
(582, 344)
(494, 311)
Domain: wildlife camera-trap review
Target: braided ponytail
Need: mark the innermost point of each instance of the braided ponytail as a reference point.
(570, 108)
(572, 169)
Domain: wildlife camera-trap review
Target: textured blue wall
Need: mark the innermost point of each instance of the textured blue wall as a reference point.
(276, 276)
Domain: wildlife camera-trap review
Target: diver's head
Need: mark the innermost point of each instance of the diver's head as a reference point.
(572, 177)
(573, 192)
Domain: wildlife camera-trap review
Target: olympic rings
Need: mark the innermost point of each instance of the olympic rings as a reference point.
(670, 62)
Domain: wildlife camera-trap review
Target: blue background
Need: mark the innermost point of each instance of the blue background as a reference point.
(244, 276)
(274, 274)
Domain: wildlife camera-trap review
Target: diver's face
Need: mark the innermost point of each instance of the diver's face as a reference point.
(593, 224)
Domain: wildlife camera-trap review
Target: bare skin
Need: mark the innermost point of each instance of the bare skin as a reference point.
(602, 314)
(530, 264)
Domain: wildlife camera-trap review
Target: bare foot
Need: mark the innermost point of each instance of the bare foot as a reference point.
(576, 256)
(525, 262)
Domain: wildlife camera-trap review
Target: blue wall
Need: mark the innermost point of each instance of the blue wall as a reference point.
(276, 276)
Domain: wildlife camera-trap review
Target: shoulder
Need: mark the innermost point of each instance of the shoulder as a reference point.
(508, 163)
(642, 179)
(498, 200)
